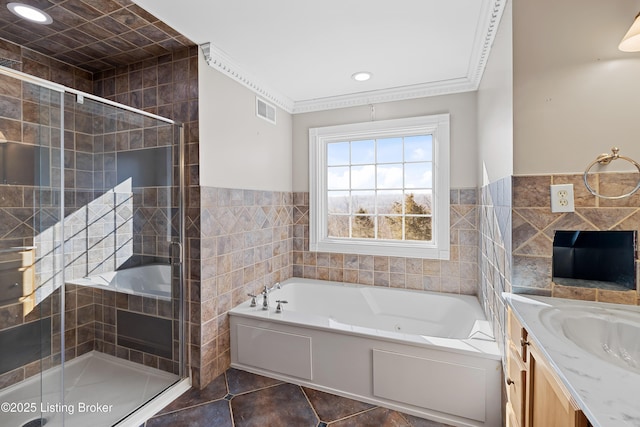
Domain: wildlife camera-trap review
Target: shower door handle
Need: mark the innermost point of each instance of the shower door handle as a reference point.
(177, 246)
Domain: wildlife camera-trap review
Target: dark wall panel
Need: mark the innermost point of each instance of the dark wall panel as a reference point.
(24, 344)
(145, 333)
(149, 167)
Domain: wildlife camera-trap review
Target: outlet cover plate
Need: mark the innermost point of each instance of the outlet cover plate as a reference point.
(562, 198)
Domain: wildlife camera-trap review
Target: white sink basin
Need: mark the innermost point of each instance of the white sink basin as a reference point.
(613, 335)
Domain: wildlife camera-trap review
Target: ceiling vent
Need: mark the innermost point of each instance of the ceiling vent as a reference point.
(265, 110)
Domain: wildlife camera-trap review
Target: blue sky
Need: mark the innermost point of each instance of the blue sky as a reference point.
(415, 172)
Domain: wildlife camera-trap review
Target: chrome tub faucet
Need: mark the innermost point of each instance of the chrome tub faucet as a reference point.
(265, 294)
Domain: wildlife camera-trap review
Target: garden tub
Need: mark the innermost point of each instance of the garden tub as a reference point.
(428, 354)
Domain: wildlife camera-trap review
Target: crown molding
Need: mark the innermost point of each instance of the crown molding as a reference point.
(423, 90)
(485, 36)
(219, 60)
(385, 95)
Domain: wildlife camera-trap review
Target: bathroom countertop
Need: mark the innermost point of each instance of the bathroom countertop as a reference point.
(607, 394)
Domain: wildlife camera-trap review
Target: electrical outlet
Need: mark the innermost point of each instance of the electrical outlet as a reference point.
(562, 198)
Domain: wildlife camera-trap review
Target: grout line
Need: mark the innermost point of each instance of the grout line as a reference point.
(260, 389)
(354, 415)
(226, 384)
(233, 421)
(311, 405)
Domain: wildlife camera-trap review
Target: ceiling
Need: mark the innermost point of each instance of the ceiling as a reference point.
(94, 35)
(299, 55)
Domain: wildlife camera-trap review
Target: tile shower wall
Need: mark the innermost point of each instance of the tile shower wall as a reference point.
(31, 118)
(534, 225)
(459, 274)
(495, 253)
(245, 244)
(89, 313)
(166, 86)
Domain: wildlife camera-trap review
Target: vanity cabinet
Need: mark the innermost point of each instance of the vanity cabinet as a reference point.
(535, 396)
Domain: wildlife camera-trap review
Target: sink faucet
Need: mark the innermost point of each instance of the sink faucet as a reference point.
(265, 294)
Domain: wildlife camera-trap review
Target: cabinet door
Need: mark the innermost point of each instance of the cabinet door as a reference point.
(516, 380)
(517, 335)
(512, 420)
(549, 405)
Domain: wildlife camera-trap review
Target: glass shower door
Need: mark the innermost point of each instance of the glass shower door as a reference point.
(31, 273)
(91, 220)
(122, 281)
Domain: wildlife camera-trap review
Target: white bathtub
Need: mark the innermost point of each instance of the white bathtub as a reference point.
(427, 354)
(152, 280)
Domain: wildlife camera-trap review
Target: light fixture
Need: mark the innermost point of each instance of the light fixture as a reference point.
(30, 13)
(361, 76)
(631, 41)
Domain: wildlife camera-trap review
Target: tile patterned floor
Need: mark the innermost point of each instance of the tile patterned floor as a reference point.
(242, 399)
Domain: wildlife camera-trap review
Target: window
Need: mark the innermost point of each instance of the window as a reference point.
(381, 188)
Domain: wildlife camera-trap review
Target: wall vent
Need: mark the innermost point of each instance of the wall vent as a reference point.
(265, 110)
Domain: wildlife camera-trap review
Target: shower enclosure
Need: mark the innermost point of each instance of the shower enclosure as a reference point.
(91, 282)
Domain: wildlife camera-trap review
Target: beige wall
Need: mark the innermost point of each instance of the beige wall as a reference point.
(462, 108)
(495, 107)
(575, 93)
(237, 148)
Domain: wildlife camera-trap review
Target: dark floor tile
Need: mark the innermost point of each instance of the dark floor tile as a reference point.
(211, 414)
(378, 417)
(330, 407)
(421, 422)
(216, 390)
(242, 381)
(281, 405)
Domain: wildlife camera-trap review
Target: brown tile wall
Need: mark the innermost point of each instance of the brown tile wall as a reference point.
(248, 239)
(105, 305)
(94, 34)
(457, 275)
(34, 118)
(516, 236)
(166, 86)
(245, 243)
(534, 225)
(495, 253)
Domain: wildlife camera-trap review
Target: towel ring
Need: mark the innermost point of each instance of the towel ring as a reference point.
(605, 159)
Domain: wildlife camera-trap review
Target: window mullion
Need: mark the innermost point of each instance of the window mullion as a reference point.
(404, 195)
(375, 186)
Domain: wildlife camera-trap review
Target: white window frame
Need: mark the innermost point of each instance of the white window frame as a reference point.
(319, 241)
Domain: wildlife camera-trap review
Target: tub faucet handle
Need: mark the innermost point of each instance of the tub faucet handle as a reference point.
(279, 307)
(253, 300)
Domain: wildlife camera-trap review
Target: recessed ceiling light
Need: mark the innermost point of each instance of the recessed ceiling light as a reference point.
(30, 13)
(361, 76)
